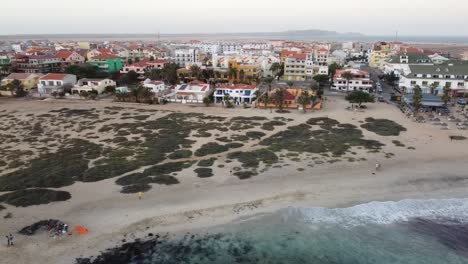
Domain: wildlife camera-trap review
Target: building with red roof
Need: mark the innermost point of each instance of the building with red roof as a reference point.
(192, 92)
(359, 81)
(55, 82)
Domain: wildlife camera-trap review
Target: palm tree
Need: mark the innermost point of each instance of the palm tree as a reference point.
(268, 81)
(304, 100)
(433, 87)
(195, 71)
(233, 73)
(241, 75)
(348, 76)
(275, 68)
(278, 97)
(446, 95)
(16, 86)
(417, 97)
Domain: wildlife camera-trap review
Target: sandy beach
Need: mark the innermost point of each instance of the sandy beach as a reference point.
(434, 169)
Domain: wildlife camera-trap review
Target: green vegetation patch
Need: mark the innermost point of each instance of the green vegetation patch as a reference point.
(398, 143)
(158, 174)
(270, 126)
(243, 175)
(457, 138)
(215, 148)
(136, 188)
(206, 162)
(255, 134)
(55, 170)
(204, 172)
(24, 198)
(332, 137)
(252, 159)
(383, 127)
(181, 154)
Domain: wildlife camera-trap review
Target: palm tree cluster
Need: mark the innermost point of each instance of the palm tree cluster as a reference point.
(168, 74)
(140, 94)
(306, 99)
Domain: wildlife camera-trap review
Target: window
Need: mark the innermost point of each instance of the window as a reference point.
(413, 82)
(424, 83)
(461, 84)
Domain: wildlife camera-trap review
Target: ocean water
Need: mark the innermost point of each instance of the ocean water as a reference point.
(410, 232)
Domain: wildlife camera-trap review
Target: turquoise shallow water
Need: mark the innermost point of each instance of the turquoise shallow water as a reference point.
(412, 232)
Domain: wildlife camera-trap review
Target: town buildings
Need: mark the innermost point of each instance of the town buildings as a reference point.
(239, 93)
(144, 66)
(359, 81)
(89, 85)
(55, 82)
(69, 58)
(433, 78)
(186, 56)
(154, 86)
(107, 63)
(36, 63)
(28, 80)
(192, 92)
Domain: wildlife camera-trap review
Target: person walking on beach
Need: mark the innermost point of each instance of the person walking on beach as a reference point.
(8, 240)
(377, 166)
(139, 195)
(11, 240)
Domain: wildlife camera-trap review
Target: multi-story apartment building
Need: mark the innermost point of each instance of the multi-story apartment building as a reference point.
(240, 93)
(243, 71)
(433, 78)
(37, 63)
(295, 67)
(183, 56)
(360, 81)
(107, 63)
(231, 48)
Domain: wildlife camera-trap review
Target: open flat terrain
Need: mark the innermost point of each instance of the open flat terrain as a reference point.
(83, 162)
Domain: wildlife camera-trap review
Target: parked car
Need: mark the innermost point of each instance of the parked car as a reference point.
(461, 101)
(380, 99)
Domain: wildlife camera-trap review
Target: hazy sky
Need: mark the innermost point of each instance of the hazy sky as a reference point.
(410, 17)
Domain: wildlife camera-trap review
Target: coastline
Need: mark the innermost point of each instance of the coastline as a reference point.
(435, 170)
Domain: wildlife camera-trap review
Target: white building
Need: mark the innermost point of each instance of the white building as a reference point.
(183, 56)
(360, 81)
(192, 92)
(54, 82)
(89, 85)
(154, 86)
(240, 93)
(436, 77)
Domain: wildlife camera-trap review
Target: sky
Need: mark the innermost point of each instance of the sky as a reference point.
(370, 17)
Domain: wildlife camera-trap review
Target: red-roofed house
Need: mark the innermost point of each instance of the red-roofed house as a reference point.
(360, 81)
(154, 86)
(192, 92)
(144, 66)
(69, 57)
(240, 93)
(55, 82)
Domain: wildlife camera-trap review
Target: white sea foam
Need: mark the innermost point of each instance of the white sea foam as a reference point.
(382, 212)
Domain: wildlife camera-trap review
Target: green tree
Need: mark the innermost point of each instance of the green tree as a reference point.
(268, 81)
(232, 73)
(227, 101)
(290, 84)
(359, 97)
(154, 74)
(446, 96)
(151, 58)
(278, 98)
(242, 75)
(347, 76)
(83, 71)
(169, 73)
(417, 98)
(16, 88)
(137, 59)
(275, 68)
(196, 71)
(321, 79)
(304, 100)
(130, 61)
(332, 68)
(110, 89)
(207, 101)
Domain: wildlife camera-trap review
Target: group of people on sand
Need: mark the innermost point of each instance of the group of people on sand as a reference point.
(9, 240)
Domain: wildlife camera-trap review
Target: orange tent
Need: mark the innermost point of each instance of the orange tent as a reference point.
(81, 230)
